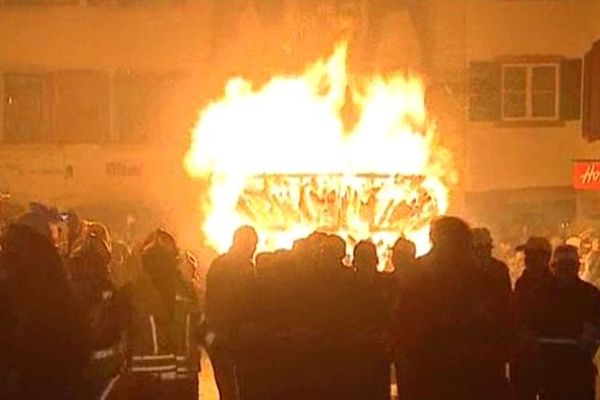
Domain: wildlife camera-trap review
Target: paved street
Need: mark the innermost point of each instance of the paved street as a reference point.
(208, 389)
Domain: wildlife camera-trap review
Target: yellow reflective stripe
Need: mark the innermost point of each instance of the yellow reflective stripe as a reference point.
(154, 337)
(153, 357)
(108, 389)
(187, 332)
(164, 368)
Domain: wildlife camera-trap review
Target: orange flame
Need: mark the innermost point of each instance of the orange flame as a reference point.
(280, 159)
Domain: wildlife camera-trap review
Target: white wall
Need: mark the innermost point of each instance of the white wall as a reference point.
(507, 158)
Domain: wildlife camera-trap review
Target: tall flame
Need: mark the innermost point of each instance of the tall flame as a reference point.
(279, 158)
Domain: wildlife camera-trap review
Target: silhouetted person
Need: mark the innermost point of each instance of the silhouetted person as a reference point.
(266, 336)
(190, 269)
(325, 360)
(404, 254)
(291, 343)
(569, 330)
(120, 257)
(253, 353)
(226, 288)
(7, 321)
(47, 350)
(333, 253)
(104, 311)
(525, 373)
(370, 363)
(440, 325)
(75, 227)
(316, 242)
(592, 263)
(403, 259)
(497, 292)
(331, 286)
(163, 331)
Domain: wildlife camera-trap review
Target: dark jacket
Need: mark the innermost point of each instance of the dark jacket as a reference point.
(227, 284)
(48, 351)
(565, 310)
(527, 296)
(442, 327)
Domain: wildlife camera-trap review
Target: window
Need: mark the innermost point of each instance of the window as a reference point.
(23, 107)
(85, 106)
(81, 106)
(139, 99)
(530, 92)
(542, 90)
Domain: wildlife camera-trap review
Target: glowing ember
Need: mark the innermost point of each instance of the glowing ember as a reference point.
(279, 158)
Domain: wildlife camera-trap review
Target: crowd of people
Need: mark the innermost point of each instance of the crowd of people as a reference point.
(87, 317)
(302, 324)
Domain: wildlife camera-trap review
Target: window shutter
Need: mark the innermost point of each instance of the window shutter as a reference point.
(484, 91)
(23, 107)
(81, 106)
(591, 94)
(585, 118)
(570, 89)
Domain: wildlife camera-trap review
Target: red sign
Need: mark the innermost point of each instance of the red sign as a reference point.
(586, 175)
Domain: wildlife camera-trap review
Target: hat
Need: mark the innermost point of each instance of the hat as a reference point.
(91, 243)
(566, 253)
(536, 243)
(481, 237)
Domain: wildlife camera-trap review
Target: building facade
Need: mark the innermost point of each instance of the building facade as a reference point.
(527, 103)
(99, 96)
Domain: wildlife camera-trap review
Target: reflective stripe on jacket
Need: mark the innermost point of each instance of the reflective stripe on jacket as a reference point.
(162, 344)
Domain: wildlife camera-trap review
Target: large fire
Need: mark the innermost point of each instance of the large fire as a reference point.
(279, 158)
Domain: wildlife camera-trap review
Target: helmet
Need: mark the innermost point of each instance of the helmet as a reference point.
(161, 239)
